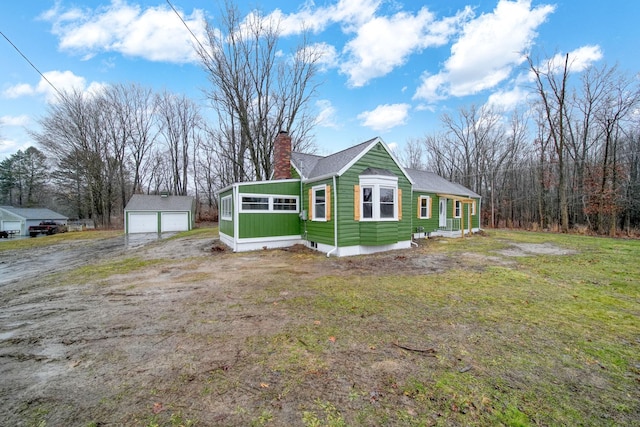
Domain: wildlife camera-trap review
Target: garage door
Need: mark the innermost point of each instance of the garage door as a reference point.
(175, 221)
(11, 225)
(143, 222)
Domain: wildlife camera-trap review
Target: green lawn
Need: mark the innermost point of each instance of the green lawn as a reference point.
(533, 340)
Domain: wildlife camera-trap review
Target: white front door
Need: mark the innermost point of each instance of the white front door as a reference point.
(442, 215)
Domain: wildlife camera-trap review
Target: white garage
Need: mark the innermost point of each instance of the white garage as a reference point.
(143, 222)
(174, 221)
(11, 225)
(159, 214)
(19, 220)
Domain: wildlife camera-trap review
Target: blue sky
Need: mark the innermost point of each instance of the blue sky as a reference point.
(390, 68)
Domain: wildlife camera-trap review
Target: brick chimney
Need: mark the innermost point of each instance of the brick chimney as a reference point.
(282, 156)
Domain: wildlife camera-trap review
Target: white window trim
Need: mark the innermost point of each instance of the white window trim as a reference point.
(270, 197)
(429, 213)
(457, 213)
(226, 212)
(473, 207)
(313, 193)
(378, 182)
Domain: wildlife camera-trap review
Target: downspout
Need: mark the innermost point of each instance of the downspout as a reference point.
(236, 218)
(335, 219)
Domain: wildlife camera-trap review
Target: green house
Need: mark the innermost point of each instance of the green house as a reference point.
(357, 201)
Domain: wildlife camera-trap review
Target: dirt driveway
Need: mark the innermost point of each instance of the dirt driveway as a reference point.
(104, 350)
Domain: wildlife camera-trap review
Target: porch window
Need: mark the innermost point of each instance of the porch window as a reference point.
(252, 203)
(285, 204)
(267, 203)
(226, 208)
(458, 209)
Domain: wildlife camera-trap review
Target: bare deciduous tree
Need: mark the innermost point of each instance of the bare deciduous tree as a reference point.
(551, 86)
(180, 121)
(255, 91)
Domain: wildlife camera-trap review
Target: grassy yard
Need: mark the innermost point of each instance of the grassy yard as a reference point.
(505, 328)
(536, 340)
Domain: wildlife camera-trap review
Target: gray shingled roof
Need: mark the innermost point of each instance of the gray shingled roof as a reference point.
(41, 214)
(312, 166)
(144, 202)
(433, 183)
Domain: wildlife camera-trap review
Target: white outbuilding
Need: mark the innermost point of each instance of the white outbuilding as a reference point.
(18, 220)
(159, 214)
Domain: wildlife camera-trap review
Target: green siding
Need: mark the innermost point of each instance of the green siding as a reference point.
(429, 224)
(379, 233)
(268, 224)
(291, 188)
(369, 233)
(319, 231)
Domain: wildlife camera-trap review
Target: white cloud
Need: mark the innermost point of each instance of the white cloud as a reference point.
(351, 14)
(21, 120)
(380, 43)
(10, 146)
(63, 81)
(488, 50)
(328, 55)
(327, 114)
(385, 117)
(579, 59)
(507, 100)
(155, 33)
(384, 43)
(16, 91)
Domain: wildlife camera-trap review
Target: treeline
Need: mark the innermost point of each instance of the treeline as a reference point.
(571, 160)
(97, 149)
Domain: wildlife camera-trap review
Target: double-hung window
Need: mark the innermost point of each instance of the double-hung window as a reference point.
(226, 208)
(319, 203)
(457, 208)
(424, 207)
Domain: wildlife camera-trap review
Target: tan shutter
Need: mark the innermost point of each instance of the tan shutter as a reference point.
(399, 204)
(356, 202)
(429, 207)
(327, 195)
(310, 204)
(419, 206)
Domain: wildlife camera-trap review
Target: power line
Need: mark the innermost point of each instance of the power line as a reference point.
(189, 29)
(32, 65)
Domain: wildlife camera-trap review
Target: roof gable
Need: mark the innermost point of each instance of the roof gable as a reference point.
(145, 202)
(312, 167)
